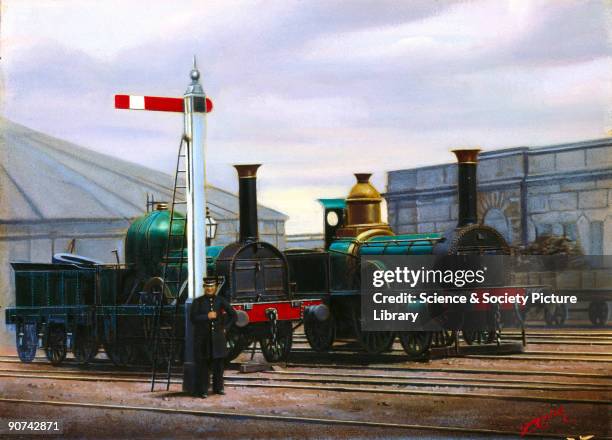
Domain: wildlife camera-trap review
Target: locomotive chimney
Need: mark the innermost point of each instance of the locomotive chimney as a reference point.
(467, 161)
(247, 193)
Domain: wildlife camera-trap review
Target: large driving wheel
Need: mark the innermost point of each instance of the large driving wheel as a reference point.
(372, 342)
(555, 315)
(320, 334)
(26, 341)
(278, 349)
(85, 345)
(599, 313)
(56, 345)
(415, 344)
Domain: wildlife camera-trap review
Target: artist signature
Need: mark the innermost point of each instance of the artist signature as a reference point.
(541, 422)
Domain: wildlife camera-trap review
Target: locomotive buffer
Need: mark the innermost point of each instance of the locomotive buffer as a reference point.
(194, 105)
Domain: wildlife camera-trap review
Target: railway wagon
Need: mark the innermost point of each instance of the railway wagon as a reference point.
(136, 310)
(353, 229)
(592, 286)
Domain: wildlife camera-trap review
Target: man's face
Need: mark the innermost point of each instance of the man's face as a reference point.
(210, 290)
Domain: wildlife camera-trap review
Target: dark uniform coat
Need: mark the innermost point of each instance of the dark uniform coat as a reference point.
(209, 335)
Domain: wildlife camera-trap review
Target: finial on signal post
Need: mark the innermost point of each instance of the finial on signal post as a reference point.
(195, 88)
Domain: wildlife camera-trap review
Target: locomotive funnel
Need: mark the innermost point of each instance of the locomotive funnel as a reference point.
(467, 161)
(247, 193)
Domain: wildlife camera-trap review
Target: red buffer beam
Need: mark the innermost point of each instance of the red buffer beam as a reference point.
(159, 103)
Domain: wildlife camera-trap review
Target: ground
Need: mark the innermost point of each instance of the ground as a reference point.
(361, 394)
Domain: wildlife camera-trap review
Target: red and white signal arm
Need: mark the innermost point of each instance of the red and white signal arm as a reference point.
(160, 104)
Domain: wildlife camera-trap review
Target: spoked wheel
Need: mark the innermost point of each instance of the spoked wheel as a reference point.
(599, 313)
(278, 349)
(236, 343)
(120, 353)
(56, 345)
(372, 342)
(415, 343)
(85, 345)
(320, 334)
(444, 338)
(473, 336)
(26, 341)
(555, 315)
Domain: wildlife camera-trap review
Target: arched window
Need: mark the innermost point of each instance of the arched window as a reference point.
(497, 219)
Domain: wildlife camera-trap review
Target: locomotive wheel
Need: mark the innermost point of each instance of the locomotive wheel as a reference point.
(26, 341)
(85, 345)
(120, 353)
(372, 342)
(277, 351)
(555, 315)
(415, 343)
(236, 343)
(320, 335)
(599, 313)
(473, 336)
(56, 345)
(444, 338)
(158, 289)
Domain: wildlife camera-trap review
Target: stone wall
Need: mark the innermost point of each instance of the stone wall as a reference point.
(523, 192)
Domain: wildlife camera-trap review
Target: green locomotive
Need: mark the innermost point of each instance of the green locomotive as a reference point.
(135, 310)
(354, 229)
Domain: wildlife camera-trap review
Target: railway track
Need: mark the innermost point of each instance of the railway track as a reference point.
(355, 379)
(315, 369)
(280, 418)
(348, 385)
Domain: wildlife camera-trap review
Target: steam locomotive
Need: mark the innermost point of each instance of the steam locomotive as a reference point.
(354, 230)
(135, 310)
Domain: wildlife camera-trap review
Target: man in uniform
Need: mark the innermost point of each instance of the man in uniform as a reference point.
(210, 325)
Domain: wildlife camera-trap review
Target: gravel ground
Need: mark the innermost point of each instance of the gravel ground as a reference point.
(451, 411)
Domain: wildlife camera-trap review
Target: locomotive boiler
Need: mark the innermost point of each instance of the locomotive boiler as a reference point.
(354, 229)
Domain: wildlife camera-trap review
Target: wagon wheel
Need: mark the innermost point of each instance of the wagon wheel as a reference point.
(415, 343)
(443, 338)
(236, 342)
(85, 345)
(26, 341)
(599, 313)
(320, 335)
(120, 353)
(555, 315)
(56, 345)
(277, 349)
(372, 342)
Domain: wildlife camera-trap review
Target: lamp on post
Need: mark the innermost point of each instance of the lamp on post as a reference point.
(211, 228)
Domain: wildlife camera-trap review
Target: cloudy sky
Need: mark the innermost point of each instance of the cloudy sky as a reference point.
(314, 90)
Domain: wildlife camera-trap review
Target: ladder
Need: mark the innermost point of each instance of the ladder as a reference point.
(172, 274)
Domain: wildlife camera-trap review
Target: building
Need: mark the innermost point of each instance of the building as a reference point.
(56, 196)
(306, 241)
(523, 192)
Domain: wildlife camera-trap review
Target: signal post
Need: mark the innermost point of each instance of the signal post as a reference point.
(194, 105)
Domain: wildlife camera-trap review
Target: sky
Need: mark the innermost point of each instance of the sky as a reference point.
(314, 90)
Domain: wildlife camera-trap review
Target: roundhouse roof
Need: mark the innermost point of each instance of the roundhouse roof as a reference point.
(43, 178)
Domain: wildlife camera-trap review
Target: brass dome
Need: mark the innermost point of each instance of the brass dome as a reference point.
(363, 208)
(363, 190)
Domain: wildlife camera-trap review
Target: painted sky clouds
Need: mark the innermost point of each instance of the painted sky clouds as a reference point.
(314, 90)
